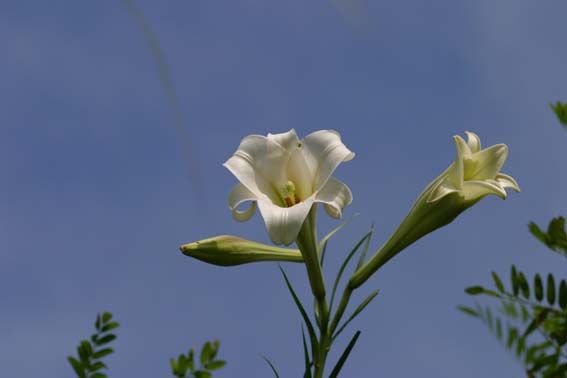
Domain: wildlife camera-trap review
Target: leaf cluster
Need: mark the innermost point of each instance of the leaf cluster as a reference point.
(88, 362)
(531, 320)
(187, 364)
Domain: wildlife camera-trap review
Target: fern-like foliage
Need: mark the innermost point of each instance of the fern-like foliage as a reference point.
(186, 367)
(88, 363)
(531, 320)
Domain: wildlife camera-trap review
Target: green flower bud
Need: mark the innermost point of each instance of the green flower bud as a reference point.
(227, 250)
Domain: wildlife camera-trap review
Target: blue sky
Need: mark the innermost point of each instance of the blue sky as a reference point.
(99, 188)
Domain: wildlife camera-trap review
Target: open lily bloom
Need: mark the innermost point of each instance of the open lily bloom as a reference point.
(475, 172)
(285, 177)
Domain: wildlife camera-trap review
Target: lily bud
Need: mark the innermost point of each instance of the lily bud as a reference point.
(474, 174)
(227, 250)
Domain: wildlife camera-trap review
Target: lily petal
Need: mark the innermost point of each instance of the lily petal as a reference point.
(286, 140)
(257, 165)
(283, 223)
(478, 189)
(324, 151)
(507, 181)
(239, 195)
(335, 195)
(473, 141)
(439, 191)
(457, 171)
(487, 163)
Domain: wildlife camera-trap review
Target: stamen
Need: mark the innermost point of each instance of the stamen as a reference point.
(289, 196)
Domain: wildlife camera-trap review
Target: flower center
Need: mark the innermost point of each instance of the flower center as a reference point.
(290, 197)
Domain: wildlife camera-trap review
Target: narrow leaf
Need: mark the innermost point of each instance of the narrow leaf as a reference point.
(365, 248)
(307, 373)
(514, 280)
(357, 311)
(498, 282)
(214, 365)
(563, 295)
(332, 233)
(343, 266)
(205, 353)
(77, 366)
(468, 311)
(538, 287)
(550, 289)
(271, 366)
(308, 324)
(524, 287)
(344, 356)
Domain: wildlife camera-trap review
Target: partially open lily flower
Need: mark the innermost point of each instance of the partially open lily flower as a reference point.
(475, 172)
(285, 177)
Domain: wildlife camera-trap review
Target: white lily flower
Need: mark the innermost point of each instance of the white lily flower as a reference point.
(474, 174)
(285, 177)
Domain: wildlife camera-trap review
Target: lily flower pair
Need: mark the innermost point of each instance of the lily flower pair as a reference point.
(286, 177)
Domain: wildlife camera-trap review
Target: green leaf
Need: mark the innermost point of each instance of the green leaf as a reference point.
(468, 311)
(109, 326)
(323, 254)
(106, 317)
(362, 256)
(512, 336)
(514, 280)
(308, 324)
(182, 365)
(173, 364)
(103, 353)
(560, 111)
(86, 346)
(326, 238)
(344, 356)
(474, 290)
(97, 323)
(202, 374)
(98, 375)
(498, 282)
(307, 373)
(105, 339)
(271, 366)
(357, 311)
(499, 328)
(97, 366)
(343, 266)
(206, 353)
(214, 365)
(538, 287)
(77, 366)
(524, 287)
(191, 359)
(563, 295)
(550, 289)
(215, 345)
